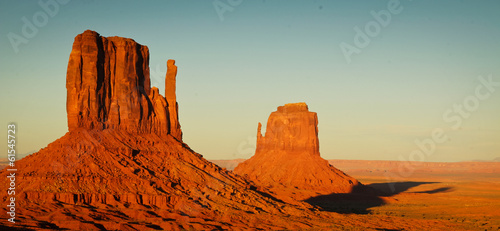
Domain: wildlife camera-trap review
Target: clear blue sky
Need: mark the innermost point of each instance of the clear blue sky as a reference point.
(237, 66)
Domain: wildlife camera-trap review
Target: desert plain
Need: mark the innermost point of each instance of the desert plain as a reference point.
(459, 195)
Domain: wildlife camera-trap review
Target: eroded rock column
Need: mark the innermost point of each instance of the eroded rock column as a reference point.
(175, 127)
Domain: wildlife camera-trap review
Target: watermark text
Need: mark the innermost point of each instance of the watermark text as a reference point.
(11, 155)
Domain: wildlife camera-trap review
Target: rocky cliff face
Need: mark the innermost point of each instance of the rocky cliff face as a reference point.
(287, 157)
(291, 130)
(109, 87)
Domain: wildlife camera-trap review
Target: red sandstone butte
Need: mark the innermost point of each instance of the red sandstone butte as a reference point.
(109, 87)
(287, 158)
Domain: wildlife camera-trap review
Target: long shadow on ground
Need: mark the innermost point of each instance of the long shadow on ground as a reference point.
(362, 198)
(393, 188)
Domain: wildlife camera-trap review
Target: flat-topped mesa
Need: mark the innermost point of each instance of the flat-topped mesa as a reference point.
(292, 129)
(108, 86)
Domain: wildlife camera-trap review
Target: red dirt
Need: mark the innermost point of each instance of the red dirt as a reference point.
(111, 178)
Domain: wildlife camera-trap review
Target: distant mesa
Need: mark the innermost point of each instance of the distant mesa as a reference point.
(287, 158)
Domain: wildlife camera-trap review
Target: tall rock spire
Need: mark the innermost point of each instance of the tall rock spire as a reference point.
(175, 127)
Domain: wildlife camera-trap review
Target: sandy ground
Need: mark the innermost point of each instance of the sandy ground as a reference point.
(466, 195)
(474, 204)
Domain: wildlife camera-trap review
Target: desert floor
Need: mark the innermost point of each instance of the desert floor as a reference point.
(465, 195)
(474, 203)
